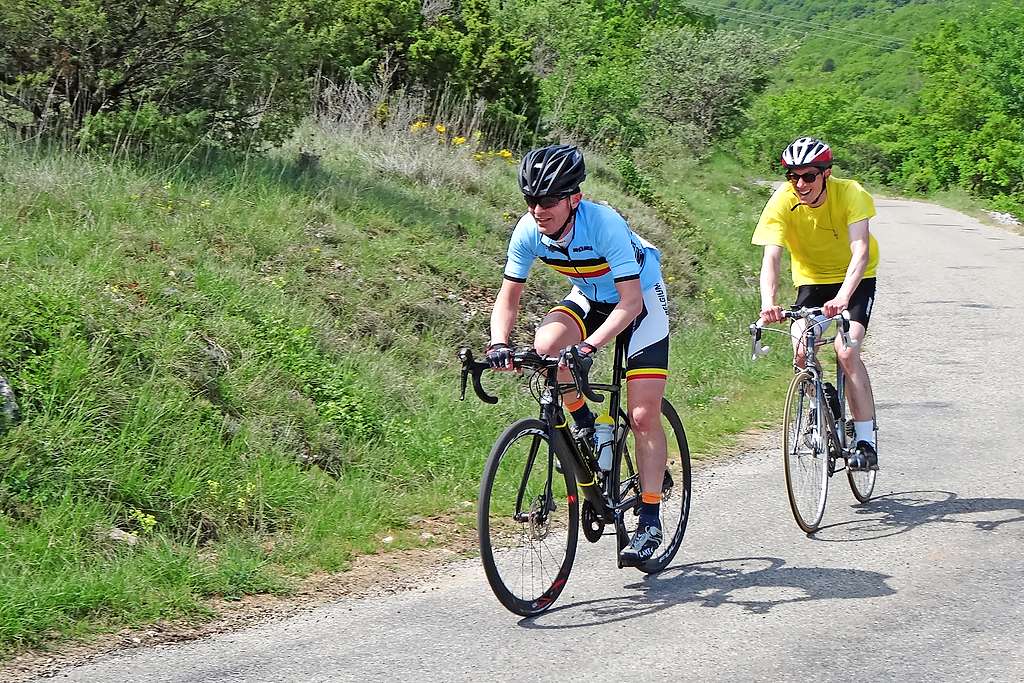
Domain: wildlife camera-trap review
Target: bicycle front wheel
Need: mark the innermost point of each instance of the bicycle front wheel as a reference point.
(527, 519)
(675, 489)
(805, 453)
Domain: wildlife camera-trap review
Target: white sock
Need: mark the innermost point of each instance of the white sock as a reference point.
(864, 430)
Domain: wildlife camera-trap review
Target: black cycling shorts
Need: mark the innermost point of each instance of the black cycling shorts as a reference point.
(646, 338)
(861, 303)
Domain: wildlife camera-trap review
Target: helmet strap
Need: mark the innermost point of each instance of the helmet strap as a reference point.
(567, 224)
(824, 181)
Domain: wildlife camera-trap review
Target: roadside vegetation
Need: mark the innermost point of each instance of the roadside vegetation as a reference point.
(236, 371)
(241, 242)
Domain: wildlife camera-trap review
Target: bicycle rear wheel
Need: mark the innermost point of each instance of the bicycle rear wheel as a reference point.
(805, 453)
(527, 519)
(862, 483)
(675, 492)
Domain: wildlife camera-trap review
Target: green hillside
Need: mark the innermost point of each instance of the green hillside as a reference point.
(249, 363)
(918, 96)
(866, 47)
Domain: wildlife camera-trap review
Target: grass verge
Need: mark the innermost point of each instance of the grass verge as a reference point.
(235, 372)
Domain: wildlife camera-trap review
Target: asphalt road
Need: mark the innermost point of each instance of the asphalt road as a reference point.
(923, 583)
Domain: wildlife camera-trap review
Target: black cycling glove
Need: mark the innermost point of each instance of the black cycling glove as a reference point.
(499, 355)
(584, 354)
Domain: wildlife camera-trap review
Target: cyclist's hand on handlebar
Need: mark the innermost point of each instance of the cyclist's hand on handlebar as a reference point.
(499, 356)
(585, 352)
(772, 314)
(835, 306)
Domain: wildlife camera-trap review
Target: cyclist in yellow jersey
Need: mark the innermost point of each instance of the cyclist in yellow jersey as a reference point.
(823, 222)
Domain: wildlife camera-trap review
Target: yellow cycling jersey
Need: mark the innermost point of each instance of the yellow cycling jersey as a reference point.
(818, 239)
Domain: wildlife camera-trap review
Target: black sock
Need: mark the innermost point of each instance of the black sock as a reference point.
(650, 514)
(583, 416)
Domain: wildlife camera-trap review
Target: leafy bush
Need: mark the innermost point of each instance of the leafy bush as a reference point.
(699, 81)
(231, 68)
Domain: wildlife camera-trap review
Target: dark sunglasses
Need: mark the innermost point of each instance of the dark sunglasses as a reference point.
(808, 177)
(546, 202)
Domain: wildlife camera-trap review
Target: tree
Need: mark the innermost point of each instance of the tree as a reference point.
(232, 68)
(701, 81)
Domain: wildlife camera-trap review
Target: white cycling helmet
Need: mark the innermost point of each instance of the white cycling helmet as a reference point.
(807, 152)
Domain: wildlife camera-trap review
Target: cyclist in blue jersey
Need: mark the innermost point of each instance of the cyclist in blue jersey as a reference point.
(617, 291)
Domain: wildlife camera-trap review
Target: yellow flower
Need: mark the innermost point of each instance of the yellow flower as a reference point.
(478, 156)
(440, 128)
(418, 126)
(505, 154)
(458, 141)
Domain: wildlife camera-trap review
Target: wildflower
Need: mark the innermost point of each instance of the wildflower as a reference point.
(418, 126)
(478, 156)
(505, 154)
(440, 128)
(458, 141)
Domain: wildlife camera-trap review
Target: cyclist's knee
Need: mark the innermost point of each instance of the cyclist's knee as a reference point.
(549, 342)
(643, 417)
(849, 357)
(547, 347)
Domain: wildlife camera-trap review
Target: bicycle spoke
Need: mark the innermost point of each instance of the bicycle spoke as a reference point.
(805, 452)
(527, 520)
(675, 488)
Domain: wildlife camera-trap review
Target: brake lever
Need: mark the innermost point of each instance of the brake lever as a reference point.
(757, 350)
(845, 326)
(572, 355)
(469, 366)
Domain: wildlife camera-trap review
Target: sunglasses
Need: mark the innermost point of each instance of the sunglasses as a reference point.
(808, 177)
(547, 202)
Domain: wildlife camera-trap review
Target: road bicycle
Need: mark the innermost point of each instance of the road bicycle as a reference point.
(816, 435)
(529, 512)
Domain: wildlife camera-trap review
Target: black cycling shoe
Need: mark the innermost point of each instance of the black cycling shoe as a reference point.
(863, 457)
(642, 546)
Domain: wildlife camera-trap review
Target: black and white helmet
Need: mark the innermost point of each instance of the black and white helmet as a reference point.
(556, 170)
(807, 152)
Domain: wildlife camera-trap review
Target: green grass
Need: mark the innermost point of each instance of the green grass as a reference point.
(249, 364)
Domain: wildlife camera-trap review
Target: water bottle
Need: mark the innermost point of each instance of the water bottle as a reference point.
(604, 435)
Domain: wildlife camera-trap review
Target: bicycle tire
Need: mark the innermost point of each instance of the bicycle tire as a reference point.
(676, 491)
(862, 483)
(805, 455)
(541, 540)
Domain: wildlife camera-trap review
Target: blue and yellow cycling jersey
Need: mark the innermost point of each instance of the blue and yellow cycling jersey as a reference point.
(602, 251)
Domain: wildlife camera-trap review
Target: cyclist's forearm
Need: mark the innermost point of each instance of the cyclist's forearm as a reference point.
(630, 305)
(506, 308)
(770, 266)
(769, 287)
(855, 271)
(617, 321)
(501, 325)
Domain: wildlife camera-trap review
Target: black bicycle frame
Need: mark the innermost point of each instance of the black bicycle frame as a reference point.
(604, 502)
